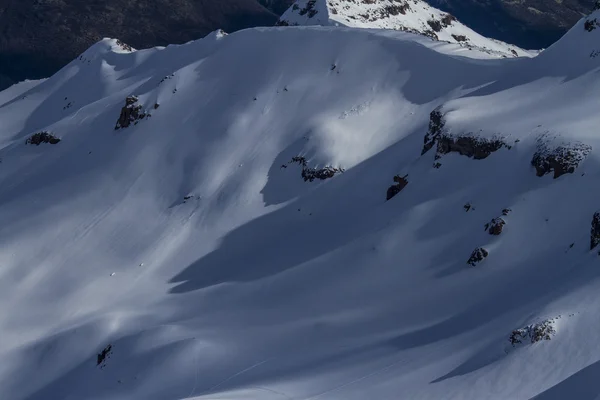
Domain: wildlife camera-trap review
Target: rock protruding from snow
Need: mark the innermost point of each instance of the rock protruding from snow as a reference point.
(477, 256)
(124, 46)
(495, 226)
(401, 182)
(103, 355)
(595, 231)
(42, 137)
(533, 333)
(468, 145)
(561, 159)
(415, 16)
(310, 174)
(436, 127)
(131, 113)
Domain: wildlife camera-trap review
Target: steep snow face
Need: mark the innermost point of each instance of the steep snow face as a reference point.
(210, 221)
(407, 15)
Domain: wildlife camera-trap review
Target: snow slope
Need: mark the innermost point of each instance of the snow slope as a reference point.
(184, 257)
(406, 15)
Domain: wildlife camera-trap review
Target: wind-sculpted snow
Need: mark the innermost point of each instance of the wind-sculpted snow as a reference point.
(177, 258)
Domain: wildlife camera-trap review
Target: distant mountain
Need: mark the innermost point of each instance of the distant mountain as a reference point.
(415, 16)
(531, 24)
(37, 37)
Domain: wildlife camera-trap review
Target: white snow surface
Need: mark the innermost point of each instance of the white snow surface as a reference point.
(215, 273)
(407, 15)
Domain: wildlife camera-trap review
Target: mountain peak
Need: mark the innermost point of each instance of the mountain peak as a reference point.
(412, 16)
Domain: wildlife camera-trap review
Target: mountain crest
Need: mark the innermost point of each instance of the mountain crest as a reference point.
(412, 16)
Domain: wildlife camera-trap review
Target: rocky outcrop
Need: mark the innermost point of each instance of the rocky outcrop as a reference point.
(595, 231)
(131, 113)
(124, 46)
(401, 182)
(310, 174)
(436, 127)
(495, 226)
(533, 333)
(477, 256)
(470, 146)
(103, 355)
(42, 137)
(561, 159)
(438, 25)
(590, 24)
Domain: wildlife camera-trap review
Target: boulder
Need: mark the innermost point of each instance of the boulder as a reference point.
(477, 256)
(495, 226)
(401, 182)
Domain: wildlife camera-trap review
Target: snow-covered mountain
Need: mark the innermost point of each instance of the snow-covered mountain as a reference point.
(415, 16)
(211, 221)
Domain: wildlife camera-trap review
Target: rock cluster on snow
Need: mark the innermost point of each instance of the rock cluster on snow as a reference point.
(477, 256)
(42, 137)
(495, 226)
(124, 46)
(559, 159)
(131, 113)
(533, 333)
(595, 231)
(401, 182)
(467, 145)
(310, 174)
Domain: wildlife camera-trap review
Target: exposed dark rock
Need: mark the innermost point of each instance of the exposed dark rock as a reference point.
(477, 256)
(401, 182)
(495, 226)
(131, 113)
(561, 159)
(436, 126)
(506, 211)
(104, 354)
(124, 46)
(533, 333)
(470, 146)
(310, 174)
(468, 207)
(595, 231)
(460, 38)
(435, 25)
(590, 24)
(42, 137)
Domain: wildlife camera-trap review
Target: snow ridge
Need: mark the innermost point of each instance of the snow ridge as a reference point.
(414, 16)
